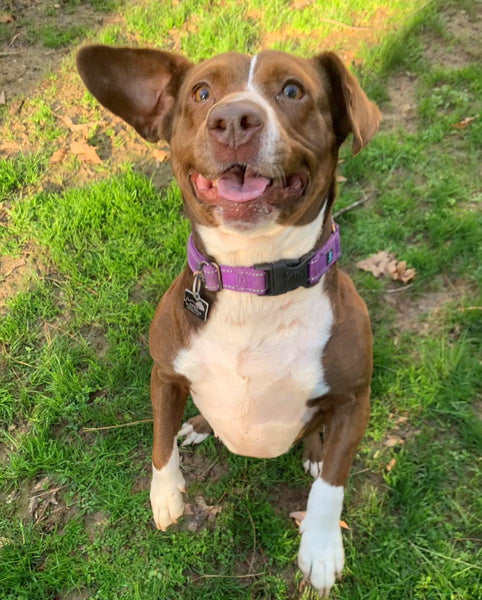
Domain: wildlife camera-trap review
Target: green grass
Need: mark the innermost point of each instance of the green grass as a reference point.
(73, 354)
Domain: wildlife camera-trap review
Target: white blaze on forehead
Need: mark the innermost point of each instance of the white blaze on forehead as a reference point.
(271, 135)
(252, 65)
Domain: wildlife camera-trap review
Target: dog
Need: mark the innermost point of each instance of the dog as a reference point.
(268, 336)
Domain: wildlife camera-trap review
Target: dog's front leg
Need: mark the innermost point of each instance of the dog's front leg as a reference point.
(321, 557)
(167, 486)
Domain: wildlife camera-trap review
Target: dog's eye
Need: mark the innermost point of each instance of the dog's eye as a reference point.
(201, 93)
(293, 91)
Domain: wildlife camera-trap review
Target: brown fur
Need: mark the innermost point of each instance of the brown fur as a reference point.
(153, 91)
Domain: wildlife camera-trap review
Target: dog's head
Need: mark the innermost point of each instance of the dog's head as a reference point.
(254, 139)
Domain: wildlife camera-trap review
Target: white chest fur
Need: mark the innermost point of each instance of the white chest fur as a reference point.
(257, 360)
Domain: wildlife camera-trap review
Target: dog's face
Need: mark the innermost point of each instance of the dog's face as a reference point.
(254, 139)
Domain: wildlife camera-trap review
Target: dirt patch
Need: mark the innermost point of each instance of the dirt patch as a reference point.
(17, 273)
(420, 313)
(95, 523)
(346, 39)
(35, 38)
(402, 111)
(42, 504)
(464, 47)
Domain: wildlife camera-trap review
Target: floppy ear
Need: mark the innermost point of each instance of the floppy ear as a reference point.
(139, 85)
(351, 109)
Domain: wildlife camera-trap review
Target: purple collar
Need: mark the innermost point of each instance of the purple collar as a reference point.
(267, 279)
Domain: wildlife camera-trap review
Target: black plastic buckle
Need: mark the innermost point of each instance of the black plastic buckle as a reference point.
(287, 274)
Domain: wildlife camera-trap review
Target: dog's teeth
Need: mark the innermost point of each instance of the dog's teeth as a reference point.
(215, 182)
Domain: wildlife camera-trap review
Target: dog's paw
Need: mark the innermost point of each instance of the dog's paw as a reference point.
(321, 557)
(313, 467)
(167, 487)
(194, 431)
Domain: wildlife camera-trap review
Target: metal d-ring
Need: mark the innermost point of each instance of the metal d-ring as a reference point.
(215, 266)
(197, 282)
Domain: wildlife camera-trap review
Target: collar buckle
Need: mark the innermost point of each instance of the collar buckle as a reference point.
(287, 274)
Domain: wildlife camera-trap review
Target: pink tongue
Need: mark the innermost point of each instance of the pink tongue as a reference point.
(232, 187)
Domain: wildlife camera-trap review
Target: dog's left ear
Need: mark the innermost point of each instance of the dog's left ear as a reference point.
(139, 85)
(351, 109)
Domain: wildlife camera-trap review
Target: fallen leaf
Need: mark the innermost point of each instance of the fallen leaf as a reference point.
(3, 99)
(393, 440)
(341, 179)
(377, 263)
(161, 155)
(300, 4)
(299, 515)
(464, 123)
(200, 512)
(75, 127)
(391, 464)
(85, 153)
(7, 18)
(384, 263)
(58, 155)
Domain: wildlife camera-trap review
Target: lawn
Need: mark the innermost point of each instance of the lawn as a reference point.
(92, 234)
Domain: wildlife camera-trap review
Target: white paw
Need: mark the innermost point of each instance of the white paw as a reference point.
(167, 487)
(321, 557)
(313, 468)
(191, 436)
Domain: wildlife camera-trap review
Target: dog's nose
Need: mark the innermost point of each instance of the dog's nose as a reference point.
(235, 123)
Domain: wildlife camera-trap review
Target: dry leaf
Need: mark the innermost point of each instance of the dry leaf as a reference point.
(377, 263)
(341, 179)
(85, 152)
(300, 4)
(161, 155)
(7, 18)
(199, 512)
(384, 263)
(299, 515)
(58, 155)
(3, 99)
(393, 440)
(391, 464)
(464, 123)
(75, 127)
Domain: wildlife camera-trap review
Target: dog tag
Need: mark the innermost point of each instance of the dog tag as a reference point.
(195, 304)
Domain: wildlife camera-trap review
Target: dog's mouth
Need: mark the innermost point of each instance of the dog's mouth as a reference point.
(242, 184)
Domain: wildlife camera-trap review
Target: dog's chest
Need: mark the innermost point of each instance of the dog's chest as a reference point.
(254, 365)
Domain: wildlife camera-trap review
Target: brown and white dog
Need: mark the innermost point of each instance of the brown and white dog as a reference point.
(255, 145)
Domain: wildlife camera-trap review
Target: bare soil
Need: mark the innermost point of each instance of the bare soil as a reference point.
(463, 48)
(24, 59)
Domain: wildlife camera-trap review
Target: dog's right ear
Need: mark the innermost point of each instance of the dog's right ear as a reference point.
(139, 85)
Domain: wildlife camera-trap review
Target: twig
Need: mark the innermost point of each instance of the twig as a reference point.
(359, 472)
(254, 540)
(206, 471)
(470, 308)
(335, 22)
(421, 550)
(117, 426)
(400, 289)
(356, 204)
(227, 576)
(9, 53)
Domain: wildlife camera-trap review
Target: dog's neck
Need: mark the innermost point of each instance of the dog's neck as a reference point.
(274, 243)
